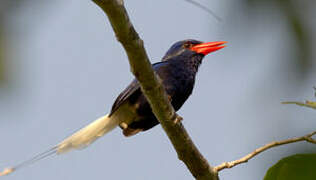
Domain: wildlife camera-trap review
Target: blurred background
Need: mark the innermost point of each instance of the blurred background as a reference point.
(61, 67)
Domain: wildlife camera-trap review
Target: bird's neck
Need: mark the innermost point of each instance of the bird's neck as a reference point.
(193, 64)
(185, 64)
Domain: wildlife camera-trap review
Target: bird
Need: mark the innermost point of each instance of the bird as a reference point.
(131, 110)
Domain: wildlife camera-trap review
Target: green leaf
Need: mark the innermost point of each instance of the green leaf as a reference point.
(296, 167)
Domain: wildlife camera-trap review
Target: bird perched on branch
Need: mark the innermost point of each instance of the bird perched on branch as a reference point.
(131, 111)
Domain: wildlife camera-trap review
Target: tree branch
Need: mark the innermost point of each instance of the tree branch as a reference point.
(154, 90)
(307, 138)
(309, 104)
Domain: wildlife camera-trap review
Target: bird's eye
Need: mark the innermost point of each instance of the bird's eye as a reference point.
(187, 45)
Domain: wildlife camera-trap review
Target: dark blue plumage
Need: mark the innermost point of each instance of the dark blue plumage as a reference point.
(131, 111)
(177, 72)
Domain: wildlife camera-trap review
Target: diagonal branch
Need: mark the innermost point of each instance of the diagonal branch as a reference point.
(307, 138)
(154, 91)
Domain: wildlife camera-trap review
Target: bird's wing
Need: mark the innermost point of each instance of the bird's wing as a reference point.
(131, 89)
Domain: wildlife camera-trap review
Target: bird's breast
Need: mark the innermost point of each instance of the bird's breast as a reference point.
(179, 85)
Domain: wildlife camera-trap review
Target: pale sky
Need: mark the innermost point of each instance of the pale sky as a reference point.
(67, 69)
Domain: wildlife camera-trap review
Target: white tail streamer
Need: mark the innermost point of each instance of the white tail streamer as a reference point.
(80, 139)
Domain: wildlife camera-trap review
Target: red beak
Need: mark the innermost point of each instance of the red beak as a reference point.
(206, 48)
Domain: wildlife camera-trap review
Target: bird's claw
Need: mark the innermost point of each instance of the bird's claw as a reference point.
(178, 119)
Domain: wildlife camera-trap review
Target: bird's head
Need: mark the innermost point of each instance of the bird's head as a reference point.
(192, 49)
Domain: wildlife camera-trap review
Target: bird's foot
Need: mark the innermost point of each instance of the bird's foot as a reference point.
(177, 119)
(169, 98)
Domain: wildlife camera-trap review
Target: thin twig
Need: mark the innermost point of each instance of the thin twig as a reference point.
(154, 91)
(205, 9)
(307, 138)
(310, 104)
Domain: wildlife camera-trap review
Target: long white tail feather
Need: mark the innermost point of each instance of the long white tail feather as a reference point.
(87, 135)
(80, 139)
